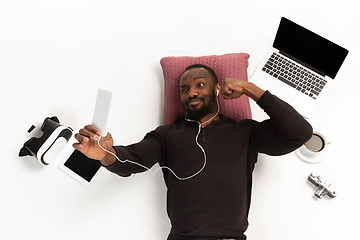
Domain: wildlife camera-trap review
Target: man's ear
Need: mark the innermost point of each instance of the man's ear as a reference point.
(218, 88)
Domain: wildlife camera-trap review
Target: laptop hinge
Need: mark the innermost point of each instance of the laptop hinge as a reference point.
(303, 63)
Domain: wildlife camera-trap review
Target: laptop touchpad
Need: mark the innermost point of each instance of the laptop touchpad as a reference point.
(283, 91)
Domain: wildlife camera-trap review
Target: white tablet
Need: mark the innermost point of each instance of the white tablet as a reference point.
(102, 110)
(80, 167)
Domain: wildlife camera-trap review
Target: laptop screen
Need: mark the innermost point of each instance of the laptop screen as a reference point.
(309, 49)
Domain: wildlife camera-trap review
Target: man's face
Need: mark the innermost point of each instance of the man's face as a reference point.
(197, 93)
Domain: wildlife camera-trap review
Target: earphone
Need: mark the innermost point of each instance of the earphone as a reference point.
(165, 167)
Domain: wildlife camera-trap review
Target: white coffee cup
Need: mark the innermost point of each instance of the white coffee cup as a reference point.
(315, 148)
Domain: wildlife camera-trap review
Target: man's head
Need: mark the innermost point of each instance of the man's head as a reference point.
(198, 88)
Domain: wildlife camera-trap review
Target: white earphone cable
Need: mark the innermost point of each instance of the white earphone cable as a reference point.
(165, 167)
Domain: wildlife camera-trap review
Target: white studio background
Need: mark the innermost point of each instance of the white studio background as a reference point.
(54, 55)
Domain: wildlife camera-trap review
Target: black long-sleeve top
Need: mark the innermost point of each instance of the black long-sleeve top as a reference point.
(215, 203)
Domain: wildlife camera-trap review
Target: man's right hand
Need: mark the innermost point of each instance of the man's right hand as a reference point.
(233, 88)
(88, 144)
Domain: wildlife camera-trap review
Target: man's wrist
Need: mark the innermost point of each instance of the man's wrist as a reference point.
(109, 158)
(253, 91)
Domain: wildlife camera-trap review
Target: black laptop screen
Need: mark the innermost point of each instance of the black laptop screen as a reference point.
(308, 48)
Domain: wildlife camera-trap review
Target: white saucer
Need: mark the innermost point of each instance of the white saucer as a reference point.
(316, 158)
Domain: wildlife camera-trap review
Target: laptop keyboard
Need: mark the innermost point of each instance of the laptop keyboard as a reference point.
(294, 75)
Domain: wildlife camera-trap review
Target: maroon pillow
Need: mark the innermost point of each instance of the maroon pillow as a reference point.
(233, 65)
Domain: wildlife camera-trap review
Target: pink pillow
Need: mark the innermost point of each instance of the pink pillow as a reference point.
(233, 65)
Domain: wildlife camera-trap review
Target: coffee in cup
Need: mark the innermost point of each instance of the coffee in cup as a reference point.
(314, 150)
(315, 144)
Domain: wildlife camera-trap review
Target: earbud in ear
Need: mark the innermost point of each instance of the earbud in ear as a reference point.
(217, 93)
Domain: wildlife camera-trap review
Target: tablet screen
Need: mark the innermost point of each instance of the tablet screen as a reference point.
(83, 166)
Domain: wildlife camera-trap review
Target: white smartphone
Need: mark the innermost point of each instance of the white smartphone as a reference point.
(102, 110)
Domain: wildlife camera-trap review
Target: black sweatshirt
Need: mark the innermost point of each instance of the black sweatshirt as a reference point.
(215, 203)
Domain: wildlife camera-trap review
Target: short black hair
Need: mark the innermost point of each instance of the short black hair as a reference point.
(209, 69)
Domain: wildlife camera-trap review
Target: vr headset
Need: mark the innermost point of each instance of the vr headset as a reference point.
(49, 145)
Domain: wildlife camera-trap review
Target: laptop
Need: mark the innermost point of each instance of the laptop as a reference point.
(300, 67)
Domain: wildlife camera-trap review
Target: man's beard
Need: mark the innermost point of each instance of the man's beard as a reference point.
(201, 112)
